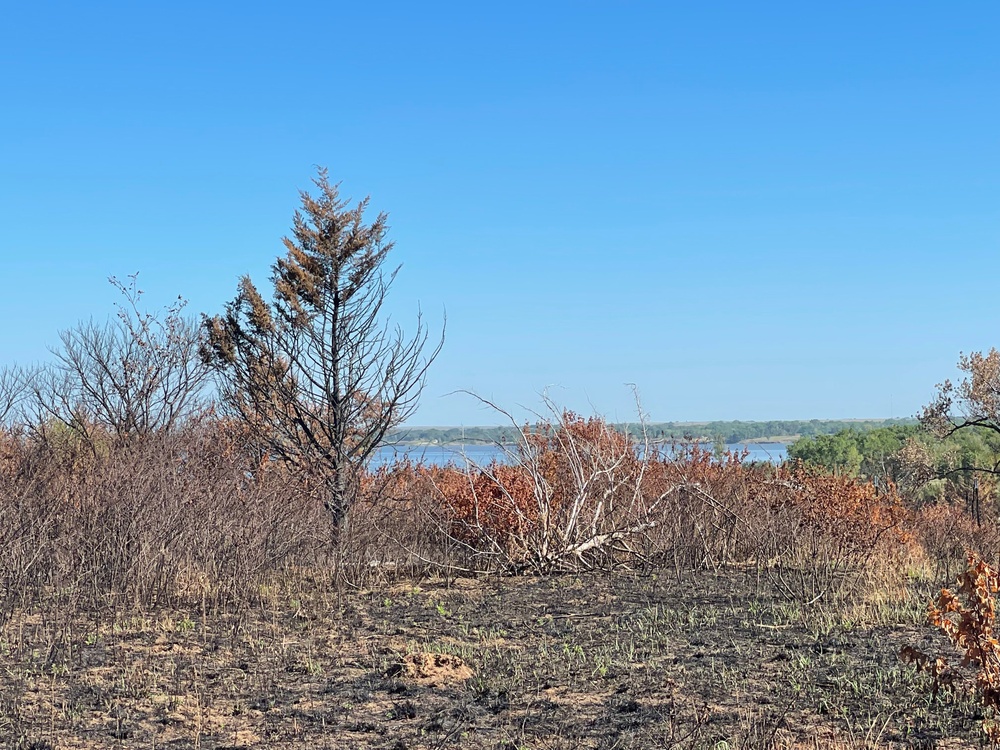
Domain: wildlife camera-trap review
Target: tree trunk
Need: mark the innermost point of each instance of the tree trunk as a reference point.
(340, 491)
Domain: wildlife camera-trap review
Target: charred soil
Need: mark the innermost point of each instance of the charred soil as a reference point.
(710, 660)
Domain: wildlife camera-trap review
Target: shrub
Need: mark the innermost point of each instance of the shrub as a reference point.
(967, 616)
(133, 525)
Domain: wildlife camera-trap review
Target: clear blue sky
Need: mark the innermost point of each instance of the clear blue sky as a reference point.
(749, 210)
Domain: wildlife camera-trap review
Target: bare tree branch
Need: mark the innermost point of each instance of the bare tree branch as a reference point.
(138, 374)
(13, 387)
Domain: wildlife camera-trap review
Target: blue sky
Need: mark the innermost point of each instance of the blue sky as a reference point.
(749, 210)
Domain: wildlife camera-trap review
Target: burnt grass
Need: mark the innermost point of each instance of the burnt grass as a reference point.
(710, 660)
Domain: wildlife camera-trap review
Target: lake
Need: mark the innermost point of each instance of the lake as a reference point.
(480, 455)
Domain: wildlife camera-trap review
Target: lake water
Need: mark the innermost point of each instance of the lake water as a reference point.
(480, 455)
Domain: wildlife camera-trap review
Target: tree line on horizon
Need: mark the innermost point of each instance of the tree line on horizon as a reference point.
(730, 432)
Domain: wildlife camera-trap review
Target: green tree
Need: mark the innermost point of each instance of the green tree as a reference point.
(837, 452)
(318, 374)
(880, 451)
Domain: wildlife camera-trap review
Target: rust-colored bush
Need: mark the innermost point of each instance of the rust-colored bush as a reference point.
(967, 616)
(578, 493)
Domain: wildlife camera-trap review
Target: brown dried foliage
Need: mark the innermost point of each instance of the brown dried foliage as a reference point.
(967, 616)
(579, 494)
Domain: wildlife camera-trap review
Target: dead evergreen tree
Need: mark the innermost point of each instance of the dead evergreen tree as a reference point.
(318, 374)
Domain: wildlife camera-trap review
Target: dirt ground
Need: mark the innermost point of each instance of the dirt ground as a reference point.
(595, 661)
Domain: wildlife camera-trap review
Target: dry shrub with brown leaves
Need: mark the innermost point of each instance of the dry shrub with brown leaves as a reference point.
(578, 494)
(572, 496)
(828, 534)
(968, 617)
(946, 534)
(811, 534)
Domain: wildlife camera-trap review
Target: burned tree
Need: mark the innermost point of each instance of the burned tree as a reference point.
(972, 405)
(974, 402)
(318, 374)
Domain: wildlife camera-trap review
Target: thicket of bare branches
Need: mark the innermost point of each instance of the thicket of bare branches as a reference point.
(134, 376)
(13, 386)
(183, 519)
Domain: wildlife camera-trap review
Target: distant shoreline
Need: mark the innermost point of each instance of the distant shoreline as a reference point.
(730, 432)
(777, 440)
